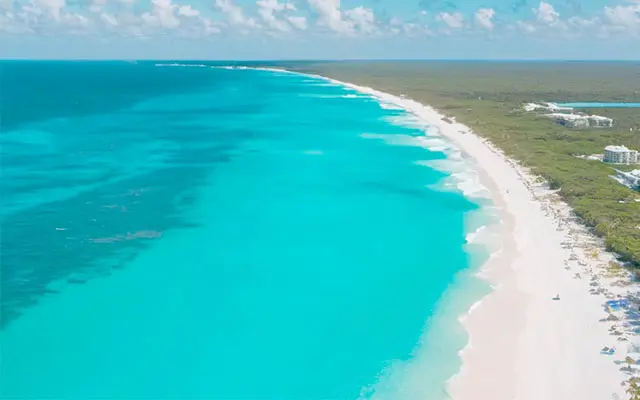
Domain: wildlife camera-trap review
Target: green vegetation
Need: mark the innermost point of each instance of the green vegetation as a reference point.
(488, 96)
(633, 388)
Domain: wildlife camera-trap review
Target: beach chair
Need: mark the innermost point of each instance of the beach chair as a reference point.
(608, 350)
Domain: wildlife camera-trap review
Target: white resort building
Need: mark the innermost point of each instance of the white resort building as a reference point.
(620, 155)
(629, 179)
(567, 117)
(598, 121)
(581, 121)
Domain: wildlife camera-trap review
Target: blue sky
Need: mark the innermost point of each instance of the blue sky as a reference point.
(320, 29)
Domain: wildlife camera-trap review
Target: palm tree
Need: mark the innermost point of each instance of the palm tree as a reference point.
(633, 390)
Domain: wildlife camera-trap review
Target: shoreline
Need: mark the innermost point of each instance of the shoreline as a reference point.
(518, 345)
(522, 344)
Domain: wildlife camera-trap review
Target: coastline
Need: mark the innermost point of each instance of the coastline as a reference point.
(522, 344)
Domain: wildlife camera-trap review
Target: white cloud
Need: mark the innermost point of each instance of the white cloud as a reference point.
(162, 14)
(329, 15)
(356, 20)
(119, 17)
(546, 13)
(188, 11)
(362, 18)
(624, 17)
(78, 23)
(268, 9)
(453, 20)
(415, 29)
(210, 27)
(484, 18)
(297, 22)
(50, 7)
(235, 14)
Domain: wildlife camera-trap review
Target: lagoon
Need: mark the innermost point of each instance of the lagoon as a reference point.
(599, 105)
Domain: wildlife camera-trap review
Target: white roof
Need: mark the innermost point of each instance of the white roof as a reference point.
(575, 117)
(617, 148)
(567, 116)
(599, 117)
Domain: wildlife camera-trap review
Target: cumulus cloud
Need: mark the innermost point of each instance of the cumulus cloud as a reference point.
(453, 20)
(235, 14)
(546, 13)
(184, 18)
(162, 14)
(624, 17)
(410, 28)
(188, 11)
(102, 17)
(484, 18)
(362, 19)
(330, 15)
(268, 10)
(51, 7)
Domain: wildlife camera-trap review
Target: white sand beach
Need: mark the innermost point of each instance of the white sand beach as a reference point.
(523, 343)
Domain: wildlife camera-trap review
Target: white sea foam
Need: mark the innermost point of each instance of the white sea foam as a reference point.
(471, 237)
(354, 96)
(332, 96)
(182, 65)
(416, 117)
(389, 106)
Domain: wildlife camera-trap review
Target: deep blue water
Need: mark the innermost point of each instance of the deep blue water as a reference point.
(600, 105)
(204, 233)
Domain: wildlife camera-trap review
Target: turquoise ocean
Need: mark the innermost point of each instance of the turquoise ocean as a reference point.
(197, 232)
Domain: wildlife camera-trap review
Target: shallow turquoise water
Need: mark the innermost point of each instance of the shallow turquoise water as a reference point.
(221, 234)
(600, 105)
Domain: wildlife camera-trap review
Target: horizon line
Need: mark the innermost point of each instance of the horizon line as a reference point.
(283, 60)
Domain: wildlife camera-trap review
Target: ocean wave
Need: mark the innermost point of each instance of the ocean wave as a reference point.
(462, 171)
(332, 96)
(182, 65)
